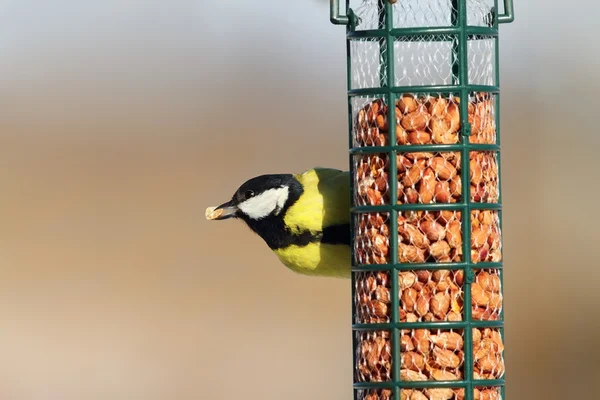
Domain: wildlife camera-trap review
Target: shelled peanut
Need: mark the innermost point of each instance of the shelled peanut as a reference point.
(425, 236)
(425, 119)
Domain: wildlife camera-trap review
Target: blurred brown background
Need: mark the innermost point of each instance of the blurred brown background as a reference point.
(121, 121)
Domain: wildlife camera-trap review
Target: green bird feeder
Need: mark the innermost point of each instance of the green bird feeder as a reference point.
(423, 108)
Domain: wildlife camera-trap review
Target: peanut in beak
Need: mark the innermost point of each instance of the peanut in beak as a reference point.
(213, 213)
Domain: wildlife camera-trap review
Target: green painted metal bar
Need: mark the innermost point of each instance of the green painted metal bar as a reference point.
(423, 148)
(388, 15)
(466, 214)
(428, 384)
(409, 34)
(424, 207)
(421, 89)
(429, 325)
(424, 266)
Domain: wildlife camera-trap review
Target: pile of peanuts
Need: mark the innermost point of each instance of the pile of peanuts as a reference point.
(431, 355)
(425, 236)
(431, 394)
(426, 296)
(426, 120)
(426, 177)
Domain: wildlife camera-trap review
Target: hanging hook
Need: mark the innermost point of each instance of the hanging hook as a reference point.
(334, 14)
(509, 13)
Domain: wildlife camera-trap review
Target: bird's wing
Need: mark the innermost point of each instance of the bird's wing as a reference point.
(334, 185)
(325, 201)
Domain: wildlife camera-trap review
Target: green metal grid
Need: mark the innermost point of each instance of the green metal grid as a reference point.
(388, 34)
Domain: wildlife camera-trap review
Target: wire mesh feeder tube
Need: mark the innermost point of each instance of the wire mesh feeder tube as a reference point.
(427, 292)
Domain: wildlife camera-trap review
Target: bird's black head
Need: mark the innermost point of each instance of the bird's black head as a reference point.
(261, 198)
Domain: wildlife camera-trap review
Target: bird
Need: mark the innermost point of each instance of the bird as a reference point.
(304, 218)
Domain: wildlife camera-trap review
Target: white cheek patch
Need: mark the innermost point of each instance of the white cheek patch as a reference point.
(269, 202)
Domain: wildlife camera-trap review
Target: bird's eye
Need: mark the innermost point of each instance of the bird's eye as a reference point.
(248, 194)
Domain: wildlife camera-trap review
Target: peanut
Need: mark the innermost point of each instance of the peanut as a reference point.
(441, 275)
(453, 117)
(410, 254)
(416, 120)
(416, 395)
(413, 361)
(412, 196)
(443, 169)
(479, 296)
(409, 299)
(489, 394)
(381, 122)
(439, 249)
(454, 234)
(440, 394)
(378, 308)
(440, 305)
(382, 294)
(411, 376)
(413, 235)
(428, 186)
(419, 137)
(442, 192)
(433, 230)
(403, 164)
(406, 279)
(445, 375)
(406, 343)
(454, 316)
(448, 340)
(437, 107)
(421, 340)
(422, 305)
(446, 358)
(407, 104)
(401, 135)
(456, 187)
(414, 175)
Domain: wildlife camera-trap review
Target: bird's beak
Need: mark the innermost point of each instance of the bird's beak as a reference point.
(224, 211)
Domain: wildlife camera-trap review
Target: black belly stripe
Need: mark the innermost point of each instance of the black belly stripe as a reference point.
(277, 235)
(336, 234)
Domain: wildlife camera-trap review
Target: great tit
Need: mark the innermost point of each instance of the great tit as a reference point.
(303, 218)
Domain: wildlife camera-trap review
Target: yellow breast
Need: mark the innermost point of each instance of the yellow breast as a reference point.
(317, 259)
